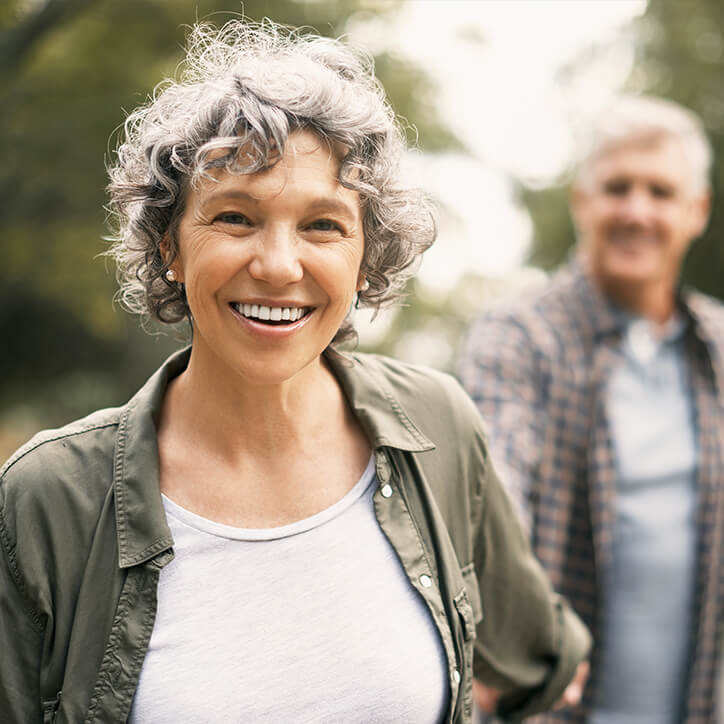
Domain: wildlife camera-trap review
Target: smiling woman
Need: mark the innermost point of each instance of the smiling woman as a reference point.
(270, 520)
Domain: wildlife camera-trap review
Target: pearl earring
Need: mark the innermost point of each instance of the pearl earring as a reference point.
(171, 275)
(365, 286)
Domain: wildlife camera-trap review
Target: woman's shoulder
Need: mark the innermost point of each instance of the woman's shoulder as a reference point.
(69, 461)
(433, 399)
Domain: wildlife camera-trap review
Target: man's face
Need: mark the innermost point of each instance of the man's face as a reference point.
(637, 212)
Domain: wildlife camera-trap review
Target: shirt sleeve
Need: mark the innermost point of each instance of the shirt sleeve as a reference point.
(529, 641)
(506, 378)
(21, 642)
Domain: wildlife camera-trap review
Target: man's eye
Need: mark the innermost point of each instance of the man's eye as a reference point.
(325, 225)
(617, 188)
(661, 192)
(232, 217)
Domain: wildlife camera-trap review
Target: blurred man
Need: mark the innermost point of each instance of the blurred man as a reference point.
(603, 398)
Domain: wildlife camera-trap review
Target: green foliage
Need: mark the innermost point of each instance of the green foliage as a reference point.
(680, 55)
(553, 228)
(69, 69)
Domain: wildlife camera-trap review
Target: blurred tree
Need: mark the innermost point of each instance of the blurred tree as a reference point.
(679, 55)
(67, 69)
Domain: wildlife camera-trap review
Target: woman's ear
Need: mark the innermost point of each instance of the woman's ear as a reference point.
(174, 272)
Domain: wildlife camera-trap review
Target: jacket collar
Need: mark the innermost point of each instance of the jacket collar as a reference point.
(141, 523)
(704, 317)
(372, 398)
(140, 517)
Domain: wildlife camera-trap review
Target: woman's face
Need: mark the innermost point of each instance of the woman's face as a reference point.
(271, 262)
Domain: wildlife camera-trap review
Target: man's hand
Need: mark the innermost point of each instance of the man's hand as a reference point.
(486, 697)
(574, 691)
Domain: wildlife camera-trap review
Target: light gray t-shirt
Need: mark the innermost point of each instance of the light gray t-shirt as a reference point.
(310, 622)
(651, 581)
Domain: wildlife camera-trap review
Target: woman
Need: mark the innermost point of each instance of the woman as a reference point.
(270, 530)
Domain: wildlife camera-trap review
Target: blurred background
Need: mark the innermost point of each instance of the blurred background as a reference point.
(492, 94)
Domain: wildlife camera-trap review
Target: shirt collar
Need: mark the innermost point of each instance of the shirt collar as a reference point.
(602, 315)
(701, 315)
(605, 317)
(140, 518)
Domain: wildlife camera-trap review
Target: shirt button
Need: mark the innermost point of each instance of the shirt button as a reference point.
(456, 676)
(386, 491)
(425, 581)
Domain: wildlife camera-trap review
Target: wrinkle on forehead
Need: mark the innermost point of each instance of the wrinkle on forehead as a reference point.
(299, 143)
(649, 141)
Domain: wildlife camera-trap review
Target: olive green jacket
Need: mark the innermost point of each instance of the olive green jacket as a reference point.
(83, 538)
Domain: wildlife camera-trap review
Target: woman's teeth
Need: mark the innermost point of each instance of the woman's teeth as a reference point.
(271, 314)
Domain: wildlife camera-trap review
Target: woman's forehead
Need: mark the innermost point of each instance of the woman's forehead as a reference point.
(308, 168)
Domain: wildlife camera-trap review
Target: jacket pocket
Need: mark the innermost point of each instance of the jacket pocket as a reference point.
(470, 578)
(465, 639)
(50, 708)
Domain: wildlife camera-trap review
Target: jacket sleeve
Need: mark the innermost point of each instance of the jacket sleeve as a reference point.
(21, 641)
(504, 375)
(529, 641)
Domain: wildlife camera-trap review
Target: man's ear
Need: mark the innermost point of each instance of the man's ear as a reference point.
(701, 208)
(577, 200)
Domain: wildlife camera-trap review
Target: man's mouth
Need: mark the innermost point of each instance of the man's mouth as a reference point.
(274, 316)
(627, 238)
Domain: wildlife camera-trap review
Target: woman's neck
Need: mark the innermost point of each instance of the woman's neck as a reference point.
(233, 416)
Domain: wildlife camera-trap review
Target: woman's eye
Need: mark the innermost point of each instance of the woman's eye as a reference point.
(233, 218)
(325, 225)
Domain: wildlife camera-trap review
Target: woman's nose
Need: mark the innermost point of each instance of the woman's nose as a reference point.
(276, 257)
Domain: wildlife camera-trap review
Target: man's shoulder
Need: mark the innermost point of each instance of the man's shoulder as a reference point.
(540, 299)
(540, 320)
(709, 315)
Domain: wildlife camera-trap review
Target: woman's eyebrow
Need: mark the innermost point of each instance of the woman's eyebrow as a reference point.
(228, 195)
(320, 204)
(332, 205)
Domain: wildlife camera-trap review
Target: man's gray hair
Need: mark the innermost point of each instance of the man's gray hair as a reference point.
(630, 119)
(243, 89)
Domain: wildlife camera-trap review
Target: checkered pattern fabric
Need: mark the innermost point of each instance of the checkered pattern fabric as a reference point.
(537, 369)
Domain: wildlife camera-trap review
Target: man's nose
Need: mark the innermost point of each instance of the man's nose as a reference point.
(637, 206)
(276, 257)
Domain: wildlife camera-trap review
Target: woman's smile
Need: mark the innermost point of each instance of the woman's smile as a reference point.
(270, 262)
(273, 321)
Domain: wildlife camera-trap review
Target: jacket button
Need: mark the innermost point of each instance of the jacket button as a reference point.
(386, 491)
(425, 581)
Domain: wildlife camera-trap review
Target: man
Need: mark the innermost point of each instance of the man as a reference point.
(603, 397)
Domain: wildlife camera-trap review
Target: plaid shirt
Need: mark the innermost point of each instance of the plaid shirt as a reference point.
(537, 370)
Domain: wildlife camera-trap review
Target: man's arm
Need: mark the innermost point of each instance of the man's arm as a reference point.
(506, 377)
(530, 645)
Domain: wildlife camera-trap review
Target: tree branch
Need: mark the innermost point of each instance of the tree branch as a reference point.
(16, 42)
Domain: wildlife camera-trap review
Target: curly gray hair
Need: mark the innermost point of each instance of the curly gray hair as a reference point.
(248, 86)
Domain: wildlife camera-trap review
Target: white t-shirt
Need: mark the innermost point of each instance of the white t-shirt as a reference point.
(314, 621)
